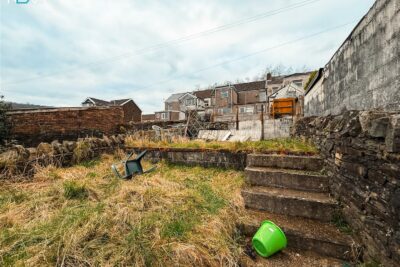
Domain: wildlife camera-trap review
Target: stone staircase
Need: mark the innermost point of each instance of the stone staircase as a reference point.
(292, 192)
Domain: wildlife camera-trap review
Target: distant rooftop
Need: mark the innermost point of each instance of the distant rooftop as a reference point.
(174, 97)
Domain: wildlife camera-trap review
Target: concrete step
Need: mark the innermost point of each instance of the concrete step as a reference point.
(284, 178)
(309, 163)
(291, 257)
(290, 202)
(303, 234)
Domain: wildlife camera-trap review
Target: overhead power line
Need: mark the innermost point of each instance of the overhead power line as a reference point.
(172, 42)
(250, 55)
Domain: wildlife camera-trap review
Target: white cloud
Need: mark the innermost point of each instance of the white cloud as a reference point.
(54, 37)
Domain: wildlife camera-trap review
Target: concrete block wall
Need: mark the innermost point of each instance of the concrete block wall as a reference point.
(364, 73)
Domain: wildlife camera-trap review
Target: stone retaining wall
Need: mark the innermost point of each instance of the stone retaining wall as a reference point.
(196, 157)
(19, 162)
(362, 155)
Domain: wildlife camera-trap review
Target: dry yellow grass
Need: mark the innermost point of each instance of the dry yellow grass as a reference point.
(282, 145)
(84, 216)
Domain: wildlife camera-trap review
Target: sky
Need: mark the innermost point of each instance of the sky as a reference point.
(58, 52)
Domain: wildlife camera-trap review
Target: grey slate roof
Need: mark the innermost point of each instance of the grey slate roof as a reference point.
(100, 102)
(174, 97)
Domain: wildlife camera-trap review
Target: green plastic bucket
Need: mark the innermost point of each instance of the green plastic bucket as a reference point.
(269, 239)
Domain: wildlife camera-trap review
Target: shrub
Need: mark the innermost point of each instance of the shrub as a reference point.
(4, 124)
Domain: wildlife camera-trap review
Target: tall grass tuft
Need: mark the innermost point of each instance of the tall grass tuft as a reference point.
(74, 190)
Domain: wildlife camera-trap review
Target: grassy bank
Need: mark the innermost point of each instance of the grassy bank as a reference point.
(282, 146)
(83, 216)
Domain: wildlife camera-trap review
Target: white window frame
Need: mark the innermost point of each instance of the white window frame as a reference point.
(164, 116)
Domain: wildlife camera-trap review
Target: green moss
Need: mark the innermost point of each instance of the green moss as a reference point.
(372, 263)
(310, 78)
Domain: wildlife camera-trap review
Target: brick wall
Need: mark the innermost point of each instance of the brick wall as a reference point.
(35, 126)
(248, 97)
(132, 112)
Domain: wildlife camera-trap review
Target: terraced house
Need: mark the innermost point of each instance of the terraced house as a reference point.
(132, 112)
(243, 101)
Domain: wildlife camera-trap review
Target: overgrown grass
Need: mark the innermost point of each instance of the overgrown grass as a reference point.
(84, 216)
(283, 145)
(74, 190)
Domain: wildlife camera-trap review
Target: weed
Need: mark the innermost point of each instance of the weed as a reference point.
(339, 221)
(91, 175)
(73, 190)
(10, 195)
(211, 201)
(89, 163)
(372, 263)
(181, 222)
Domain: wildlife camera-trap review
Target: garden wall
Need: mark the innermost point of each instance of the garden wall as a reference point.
(31, 127)
(364, 73)
(196, 157)
(20, 162)
(362, 154)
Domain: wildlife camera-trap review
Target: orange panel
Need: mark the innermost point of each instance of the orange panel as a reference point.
(283, 106)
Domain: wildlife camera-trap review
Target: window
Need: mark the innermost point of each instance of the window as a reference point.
(190, 102)
(169, 106)
(298, 83)
(207, 102)
(291, 93)
(224, 94)
(250, 109)
(164, 116)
